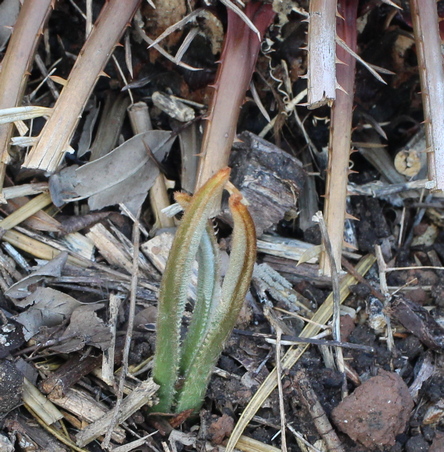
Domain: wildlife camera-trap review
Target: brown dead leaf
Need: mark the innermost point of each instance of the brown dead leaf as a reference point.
(220, 429)
(85, 328)
(49, 308)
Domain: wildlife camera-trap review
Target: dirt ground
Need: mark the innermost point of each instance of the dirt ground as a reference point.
(387, 391)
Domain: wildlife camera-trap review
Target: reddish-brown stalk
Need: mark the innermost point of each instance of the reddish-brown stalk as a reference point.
(238, 60)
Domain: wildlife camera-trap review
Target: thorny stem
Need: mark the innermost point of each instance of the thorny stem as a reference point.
(428, 46)
(238, 60)
(340, 133)
(16, 66)
(321, 74)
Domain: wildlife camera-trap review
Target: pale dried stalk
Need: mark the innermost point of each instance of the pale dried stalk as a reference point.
(85, 408)
(142, 395)
(109, 354)
(428, 44)
(17, 63)
(322, 315)
(321, 71)
(110, 124)
(114, 420)
(340, 134)
(133, 444)
(141, 122)
(24, 190)
(336, 330)
(45, 409)
(190, 140)
(58, 131)
(30, 208)
(109, 247)
(248, 444)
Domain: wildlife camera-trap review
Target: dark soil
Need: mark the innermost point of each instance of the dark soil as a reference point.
(407, 226)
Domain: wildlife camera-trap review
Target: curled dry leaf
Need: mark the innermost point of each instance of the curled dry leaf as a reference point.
(123, 175)
(52, 269)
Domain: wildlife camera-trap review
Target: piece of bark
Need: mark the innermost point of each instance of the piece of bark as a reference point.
(11, 337)
(34, 435)
(269, 179)
(73, 370)
(11, 384)
(418, 321)
(5, 444)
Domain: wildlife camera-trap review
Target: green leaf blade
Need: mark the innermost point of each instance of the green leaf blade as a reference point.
(173, 289)
(234, 289)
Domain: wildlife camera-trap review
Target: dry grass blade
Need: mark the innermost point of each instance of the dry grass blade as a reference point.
(139, 29)
(190, 17)
(30, 208)
(248, 444)
(45, 409)
(8, 115)
(292, 356)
